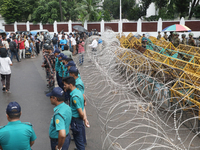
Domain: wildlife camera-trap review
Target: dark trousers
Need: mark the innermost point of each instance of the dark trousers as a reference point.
(77, 131)
(5, 80)
(41, 44)
(60, 83)
(14, 53)
(65, 146)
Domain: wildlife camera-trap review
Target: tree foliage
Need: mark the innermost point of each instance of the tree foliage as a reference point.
(89, 10)
(17, 10)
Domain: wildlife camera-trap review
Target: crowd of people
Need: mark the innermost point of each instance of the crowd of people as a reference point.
(175, 40)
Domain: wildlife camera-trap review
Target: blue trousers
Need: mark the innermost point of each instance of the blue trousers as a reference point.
(14, 53)
(81, 58)
(77, 131)
(65, 146)
(60, 83)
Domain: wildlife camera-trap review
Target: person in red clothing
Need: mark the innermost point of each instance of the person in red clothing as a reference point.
(81, 51)
(21, 48)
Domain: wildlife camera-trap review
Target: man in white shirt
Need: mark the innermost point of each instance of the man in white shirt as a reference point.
(59, 38)
(94, 45)
(73, 40)
(5, 43)
(5, 70)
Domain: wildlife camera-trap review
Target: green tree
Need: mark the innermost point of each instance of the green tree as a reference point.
(17, 10)
(89, 10)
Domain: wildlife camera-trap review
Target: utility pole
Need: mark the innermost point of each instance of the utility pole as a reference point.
(120, 16)
(61, 14)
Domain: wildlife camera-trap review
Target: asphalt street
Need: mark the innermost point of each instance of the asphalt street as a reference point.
(28, 84)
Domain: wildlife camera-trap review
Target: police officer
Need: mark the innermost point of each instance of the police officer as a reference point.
(57, 63)
(60, 122)
(60, 72)
(16, 134)
(49, 64)
(73, 71)
(184, 41)
(78, 115)
(165, 36)
(176, 40)
(191, 41)
(159, 35)
(171, 36)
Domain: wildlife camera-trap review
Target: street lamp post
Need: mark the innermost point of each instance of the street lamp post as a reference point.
(120, 17)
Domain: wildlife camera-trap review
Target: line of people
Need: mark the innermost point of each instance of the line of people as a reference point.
(70, 91)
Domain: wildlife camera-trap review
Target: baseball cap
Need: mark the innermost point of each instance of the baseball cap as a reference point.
(64, 57)
(56, 51)
(57, 92)
(73, 69)
(70, 63)
(60, 55)
(13, 107)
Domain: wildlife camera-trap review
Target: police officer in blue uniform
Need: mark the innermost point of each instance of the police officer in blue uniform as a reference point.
(78, 115)
(60, 122)
(73, 71)
(16, 135)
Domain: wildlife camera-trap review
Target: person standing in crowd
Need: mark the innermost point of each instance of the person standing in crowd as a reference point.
(21, 48)
(165, 36)
(16, 134)
(27, 46)
(184, 41)
(100, 42)
(67, 52)
(60, 122)
(94, 45)
(191, 41)
(198, 42)
(176, 40)
(59, 38)
(13, 49)
(5, 70)
(73, 40)
(5, 43)
(32, 48)
(159, 35)
(41, 39)
(55, 41)
(78, 115)
(37, 43)
(63, 42)
(170, 38)
(81, 51)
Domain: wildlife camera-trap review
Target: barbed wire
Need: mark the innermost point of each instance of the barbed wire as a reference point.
(131, 94)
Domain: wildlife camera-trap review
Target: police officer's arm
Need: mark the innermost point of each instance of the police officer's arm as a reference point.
(60, 127)
(32, 142)
(61, 138)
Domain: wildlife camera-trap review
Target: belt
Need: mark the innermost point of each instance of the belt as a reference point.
(77, 118)
(56, 140)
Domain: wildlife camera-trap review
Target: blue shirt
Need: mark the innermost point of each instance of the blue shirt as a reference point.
(17, 136)
(76, 102)
(60, 120)
(63, 42)
(79, 85)
(64, 72)
(100, 41)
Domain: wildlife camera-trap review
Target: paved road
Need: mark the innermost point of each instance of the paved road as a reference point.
(27, 86)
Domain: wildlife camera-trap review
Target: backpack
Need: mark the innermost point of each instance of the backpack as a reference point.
(12, 45)
(54, 40)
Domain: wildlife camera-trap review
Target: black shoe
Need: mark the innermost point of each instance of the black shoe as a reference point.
(4, 89)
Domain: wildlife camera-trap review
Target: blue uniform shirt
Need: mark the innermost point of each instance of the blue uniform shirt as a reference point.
(60, 120)
(76, 102)
(60, 72)
(63, 42)
(100, 41)
(17, 136)
(64, 72)
(79, 85)
(57, 65)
